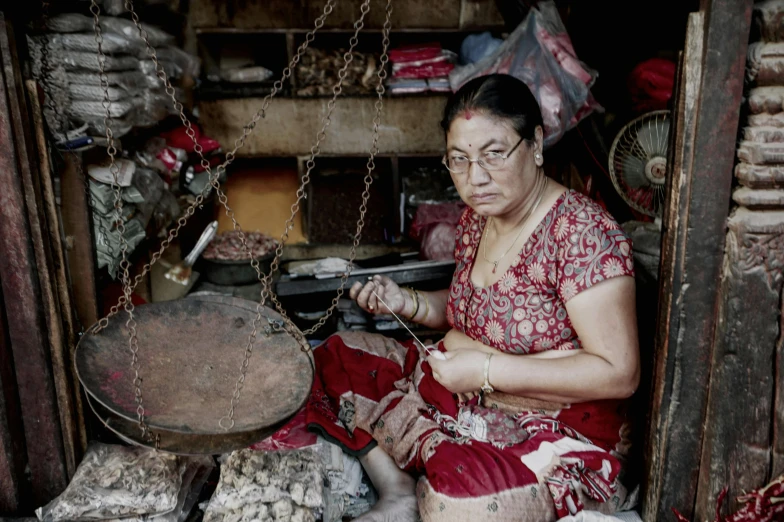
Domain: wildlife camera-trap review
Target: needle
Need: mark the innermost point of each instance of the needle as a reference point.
(428, 349)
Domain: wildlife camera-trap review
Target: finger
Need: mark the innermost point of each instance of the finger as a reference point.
(364, 296)
(381, 298)
(355, 289)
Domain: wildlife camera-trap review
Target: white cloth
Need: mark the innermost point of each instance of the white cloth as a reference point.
(595, 516)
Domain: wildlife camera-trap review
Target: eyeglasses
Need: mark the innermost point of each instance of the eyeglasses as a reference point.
(488, 161)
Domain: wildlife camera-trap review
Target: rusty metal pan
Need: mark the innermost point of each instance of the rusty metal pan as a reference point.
(190, 353)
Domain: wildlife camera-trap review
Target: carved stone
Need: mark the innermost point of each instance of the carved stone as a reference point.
(760, 176)
(754, 199)
(765, 64)
(766, 120)
(766, 99)
(744, 390)
(761, 153)
(768, 19)
(764, 134)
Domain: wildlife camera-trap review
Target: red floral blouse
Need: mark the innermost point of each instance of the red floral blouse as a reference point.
(576, 245)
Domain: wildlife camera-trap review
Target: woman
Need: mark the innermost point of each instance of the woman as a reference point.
(522, 415)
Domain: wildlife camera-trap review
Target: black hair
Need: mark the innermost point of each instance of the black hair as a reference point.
(498, 95)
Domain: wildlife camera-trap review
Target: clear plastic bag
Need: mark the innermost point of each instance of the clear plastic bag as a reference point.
(176, 64)
(112, 43)
(69, 23)
(76, 61)
(115, 482)
(82, 92)
(246, 75)
(257, 485)
(128, 29)
(84, 110)
(132, 81)
(540, 54)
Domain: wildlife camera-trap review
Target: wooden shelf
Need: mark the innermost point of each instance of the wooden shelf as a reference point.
(407, 14)
(410, 125)
(338, 30)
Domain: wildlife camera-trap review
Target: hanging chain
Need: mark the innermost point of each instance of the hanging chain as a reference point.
(133, 341)
(265, 281)
(382, 74)
(266, 291)
(248, 129)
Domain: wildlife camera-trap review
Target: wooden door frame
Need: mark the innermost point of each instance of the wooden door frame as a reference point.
(703, 146)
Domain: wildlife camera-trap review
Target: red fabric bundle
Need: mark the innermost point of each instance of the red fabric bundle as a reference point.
(433, 70)
(650, 84)
(415, 53)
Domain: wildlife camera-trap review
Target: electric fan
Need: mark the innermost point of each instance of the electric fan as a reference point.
(638, 162)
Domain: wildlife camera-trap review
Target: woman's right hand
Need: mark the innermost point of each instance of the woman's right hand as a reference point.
(386, 289)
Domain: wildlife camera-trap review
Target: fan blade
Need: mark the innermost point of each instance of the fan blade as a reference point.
(652, 137)
(632, 172)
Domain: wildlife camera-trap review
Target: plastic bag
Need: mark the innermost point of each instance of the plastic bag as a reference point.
(70, 23)
(256, 485)
(540, 54)
(132, 81)
(128, 29)
(81, 109)
(115, 482)
(475, 47)
(89, 61)
(246, 75)
(112, 43)
(79, 91)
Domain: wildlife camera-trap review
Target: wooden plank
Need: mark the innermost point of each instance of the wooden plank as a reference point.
(22, 292)
(78, 229)
(12, 451)
(687, 316)
(670, 273)
(480, 13)
(405, 14)
(409, 125)
(743, 380)
(65, 372)
(244, 14)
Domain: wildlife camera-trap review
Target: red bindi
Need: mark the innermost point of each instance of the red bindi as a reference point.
(468, 115)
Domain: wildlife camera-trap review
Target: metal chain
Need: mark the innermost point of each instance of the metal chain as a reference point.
(315, 150)
(133, 341)
(248, 129)
(382, 74)
(266, 291)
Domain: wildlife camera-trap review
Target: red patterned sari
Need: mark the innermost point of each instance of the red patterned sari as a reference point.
(498, 457)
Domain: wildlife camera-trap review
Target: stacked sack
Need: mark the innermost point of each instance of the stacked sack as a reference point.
(145, 199)
(65, 59)
(420, 68)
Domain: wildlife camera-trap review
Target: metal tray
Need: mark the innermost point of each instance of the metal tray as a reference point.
(190, 353)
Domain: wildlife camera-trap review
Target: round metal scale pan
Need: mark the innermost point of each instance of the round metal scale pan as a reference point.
(190, 353)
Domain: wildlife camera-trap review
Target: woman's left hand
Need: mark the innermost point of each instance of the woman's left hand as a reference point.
(460, 372)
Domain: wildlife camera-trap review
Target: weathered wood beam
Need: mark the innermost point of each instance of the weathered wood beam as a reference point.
(27, 329)
(692, 251)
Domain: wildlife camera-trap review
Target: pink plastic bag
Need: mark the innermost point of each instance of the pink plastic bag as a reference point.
(294, 435)
(540, 53)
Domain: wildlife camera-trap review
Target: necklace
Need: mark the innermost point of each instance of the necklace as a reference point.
(522, 226)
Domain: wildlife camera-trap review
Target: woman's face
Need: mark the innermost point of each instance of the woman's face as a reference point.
(492, 192)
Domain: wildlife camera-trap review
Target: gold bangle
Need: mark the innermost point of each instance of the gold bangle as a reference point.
(487, 387)
(427, 307)
(413, 295)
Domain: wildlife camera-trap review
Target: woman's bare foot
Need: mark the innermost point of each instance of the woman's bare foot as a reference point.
(393, 508)
(396, 489)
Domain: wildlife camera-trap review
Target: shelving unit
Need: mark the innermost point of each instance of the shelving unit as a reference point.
(271, 32)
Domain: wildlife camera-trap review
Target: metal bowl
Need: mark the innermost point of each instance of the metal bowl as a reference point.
(190, 352)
